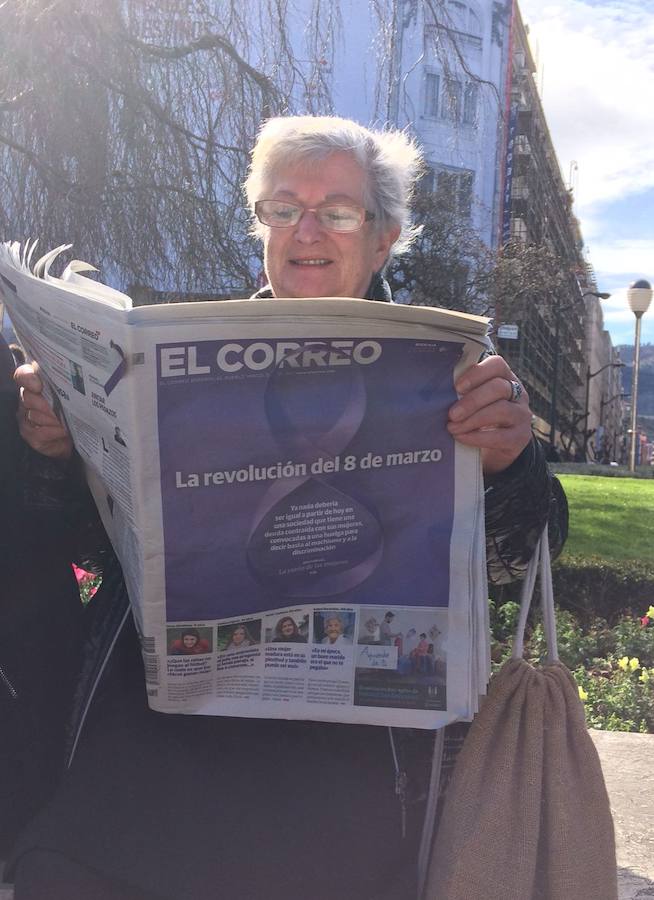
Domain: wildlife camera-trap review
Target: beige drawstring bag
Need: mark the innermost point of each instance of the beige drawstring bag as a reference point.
(526, 815)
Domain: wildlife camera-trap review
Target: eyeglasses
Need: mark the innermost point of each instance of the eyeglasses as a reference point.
(332, 217)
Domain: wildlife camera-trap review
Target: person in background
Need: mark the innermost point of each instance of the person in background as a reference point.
(240, 638)
(386, 634)
(334, 632)
(287, 632)
(189, 643)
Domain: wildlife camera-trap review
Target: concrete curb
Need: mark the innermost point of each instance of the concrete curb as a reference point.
(627, 761)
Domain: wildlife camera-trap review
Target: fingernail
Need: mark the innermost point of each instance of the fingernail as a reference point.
(456, 413)
(463, 386)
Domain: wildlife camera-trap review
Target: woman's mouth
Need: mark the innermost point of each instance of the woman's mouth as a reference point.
(310, 262)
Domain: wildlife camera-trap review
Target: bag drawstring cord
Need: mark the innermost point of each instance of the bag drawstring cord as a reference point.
(400, 782)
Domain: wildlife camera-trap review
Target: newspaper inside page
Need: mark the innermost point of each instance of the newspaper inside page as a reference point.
(77, 331)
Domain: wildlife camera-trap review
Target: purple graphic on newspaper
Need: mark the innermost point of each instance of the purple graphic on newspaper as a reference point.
(315, 470)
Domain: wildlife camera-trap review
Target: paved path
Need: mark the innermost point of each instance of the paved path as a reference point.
(628, 765)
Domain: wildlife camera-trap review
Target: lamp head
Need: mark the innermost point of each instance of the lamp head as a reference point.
(639, 296)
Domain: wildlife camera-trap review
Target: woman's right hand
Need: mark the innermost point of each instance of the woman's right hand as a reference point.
(38, 425)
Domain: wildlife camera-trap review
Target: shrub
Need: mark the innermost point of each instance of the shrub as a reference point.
(596, 469)
(577, 646)
(594, 586)
(618, 698)
(612, 664)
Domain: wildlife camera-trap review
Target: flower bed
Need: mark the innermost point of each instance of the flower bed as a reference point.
(613, 664)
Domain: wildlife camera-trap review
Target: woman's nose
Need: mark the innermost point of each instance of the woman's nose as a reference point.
(308, 229)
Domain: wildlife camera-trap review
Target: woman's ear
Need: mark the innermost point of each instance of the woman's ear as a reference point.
(385, 240)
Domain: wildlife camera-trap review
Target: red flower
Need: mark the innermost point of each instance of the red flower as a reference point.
(80, 574)
(644, 621)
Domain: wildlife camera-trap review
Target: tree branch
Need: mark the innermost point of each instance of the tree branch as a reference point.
(207, 42)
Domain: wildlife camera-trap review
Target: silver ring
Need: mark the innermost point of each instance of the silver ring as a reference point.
(516, 391)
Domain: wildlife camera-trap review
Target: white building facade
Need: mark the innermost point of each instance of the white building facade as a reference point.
(442, 76)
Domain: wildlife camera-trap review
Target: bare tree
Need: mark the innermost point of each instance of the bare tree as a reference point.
(449, 265)
(125, 127)
(526, 276)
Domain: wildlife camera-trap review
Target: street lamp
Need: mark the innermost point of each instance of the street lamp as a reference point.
(589, 375)
(558, 309)
(638, 296)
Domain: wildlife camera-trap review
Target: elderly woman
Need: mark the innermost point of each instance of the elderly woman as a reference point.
(331, 203)
(334, 628)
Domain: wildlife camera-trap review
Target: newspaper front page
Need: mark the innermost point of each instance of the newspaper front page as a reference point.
(300, 536)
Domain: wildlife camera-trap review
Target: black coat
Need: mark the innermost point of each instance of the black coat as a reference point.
(257, 807)
(40, 629)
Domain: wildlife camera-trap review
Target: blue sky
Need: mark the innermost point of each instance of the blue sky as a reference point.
(595, 62)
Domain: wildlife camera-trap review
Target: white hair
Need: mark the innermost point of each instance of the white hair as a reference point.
(390, 160)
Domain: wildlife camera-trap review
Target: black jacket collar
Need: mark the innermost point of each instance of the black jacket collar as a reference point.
(378, 289)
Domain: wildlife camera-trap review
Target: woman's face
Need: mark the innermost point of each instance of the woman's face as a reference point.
(306, 260)
(239, 636)
(333, 629)
(287, 628)
(189, 641)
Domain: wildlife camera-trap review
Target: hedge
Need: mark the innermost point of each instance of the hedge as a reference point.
(571, 468)
(594, 586)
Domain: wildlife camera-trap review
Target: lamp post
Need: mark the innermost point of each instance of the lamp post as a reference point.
(558, 309)
(589, 375)
(639, 296)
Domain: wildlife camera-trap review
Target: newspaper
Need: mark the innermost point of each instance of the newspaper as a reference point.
(300, 536)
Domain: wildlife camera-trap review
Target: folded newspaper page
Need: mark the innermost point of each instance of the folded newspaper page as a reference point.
(300, 536)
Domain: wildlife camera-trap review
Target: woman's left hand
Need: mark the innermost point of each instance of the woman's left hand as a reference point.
(489, 416)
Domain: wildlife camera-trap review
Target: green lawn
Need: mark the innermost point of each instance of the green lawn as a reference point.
(610, 517)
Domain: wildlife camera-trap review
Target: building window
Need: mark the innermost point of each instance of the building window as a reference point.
(454, 190)
(451, 99)
(427, 182)
(432, 88)
(456, 17)
(519, 229)
(470, 97)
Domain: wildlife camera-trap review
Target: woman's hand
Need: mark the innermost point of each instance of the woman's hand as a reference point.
(491, 413)
(38, 425)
